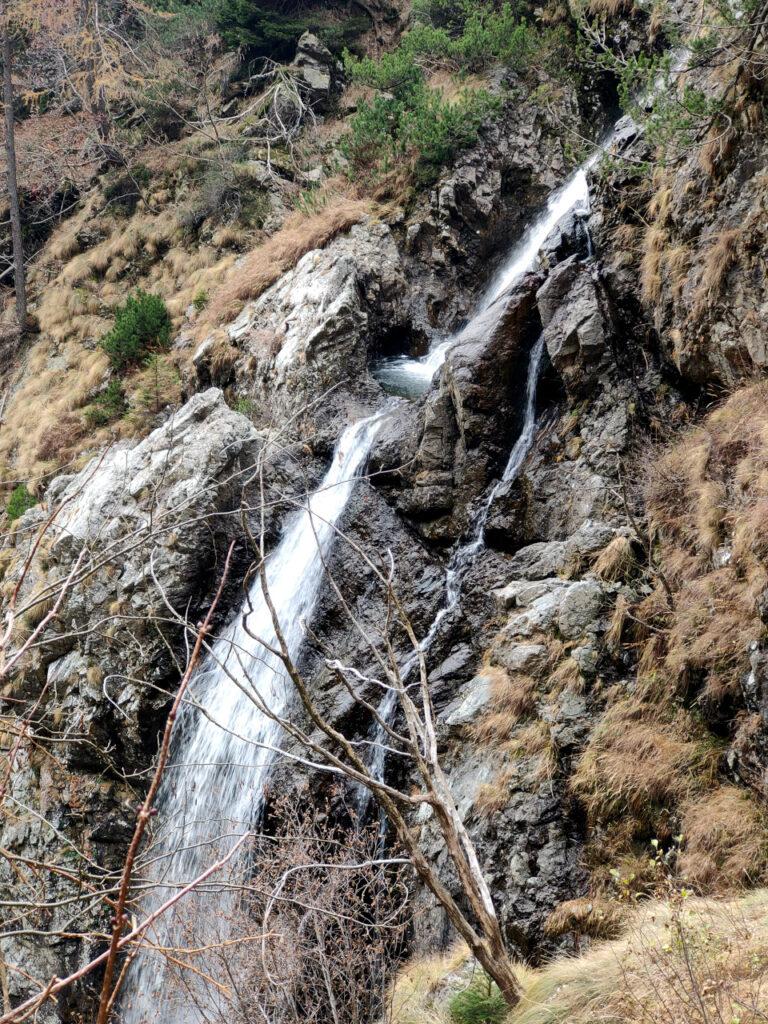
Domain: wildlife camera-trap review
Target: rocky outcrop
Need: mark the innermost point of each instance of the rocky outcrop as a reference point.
(459, 231)
(150, 523)
(575, 327)
(684, 248)
(306, 343)
(319, 73)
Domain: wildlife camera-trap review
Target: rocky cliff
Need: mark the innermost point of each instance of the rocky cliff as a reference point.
(601, 682)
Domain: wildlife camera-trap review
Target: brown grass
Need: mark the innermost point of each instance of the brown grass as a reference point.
(695, 963)
(616, 561)
(513, 696)
(721, 256)
(641, 767)
(654, 243)
(707, 498)
(598, 918)
(608, 8)
(299, 235)
(726, 841)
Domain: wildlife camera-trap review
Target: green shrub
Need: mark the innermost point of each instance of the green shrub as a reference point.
(141, 325)
(408, 121)
(19, 502)
(109, 405)
(200, 300)
(265, 29)
(423, 128)
(481, 1003)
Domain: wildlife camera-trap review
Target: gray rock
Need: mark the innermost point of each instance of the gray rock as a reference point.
(539, 561)
(586, 658)
(318, 70)
(477, 697)
(528, 658)
(573, 323)
(520, 593)
(580, 608)
(571, 723)
(537, 618)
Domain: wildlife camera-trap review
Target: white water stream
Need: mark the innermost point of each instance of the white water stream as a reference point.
(224, 747)
(412, 377)
(224, 744)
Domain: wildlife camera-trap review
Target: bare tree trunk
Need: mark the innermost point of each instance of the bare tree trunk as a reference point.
(13, 188)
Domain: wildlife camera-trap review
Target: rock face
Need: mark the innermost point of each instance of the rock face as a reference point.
(525, 664)
(459, 231)
(314, 331)
(574, 324)
(694, 273)
(161, 510)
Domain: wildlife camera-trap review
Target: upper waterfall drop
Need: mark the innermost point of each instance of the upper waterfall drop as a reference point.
(412, 377)
(224, 743)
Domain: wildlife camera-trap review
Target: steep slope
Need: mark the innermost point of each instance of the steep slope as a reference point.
(599, 681)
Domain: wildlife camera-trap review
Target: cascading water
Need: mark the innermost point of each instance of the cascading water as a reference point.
(412, 377)
(224, 744)
(460, 562)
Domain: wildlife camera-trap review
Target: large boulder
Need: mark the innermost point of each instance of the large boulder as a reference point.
(573, 322)
(319, 73)
(313, 332)
(149, 521)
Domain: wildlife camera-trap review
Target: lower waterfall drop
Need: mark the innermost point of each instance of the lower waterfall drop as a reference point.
(460, 562)
(224, 745)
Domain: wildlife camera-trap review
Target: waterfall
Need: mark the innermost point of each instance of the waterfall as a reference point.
(460, 562)
(412, 377)
(223, 745)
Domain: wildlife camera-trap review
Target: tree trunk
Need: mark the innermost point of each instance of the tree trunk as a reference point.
(19, 272)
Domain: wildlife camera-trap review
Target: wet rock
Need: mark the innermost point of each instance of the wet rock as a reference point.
(571, 722)
(477, 697)
(573, 322)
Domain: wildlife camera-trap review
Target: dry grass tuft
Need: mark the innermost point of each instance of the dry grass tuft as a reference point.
(513, 696)
(420, 989)
(678, 263)
(654, 243)
(616, 561)
(721, 256)
(726, 841)
(692, 964)
(598, 918)
(299, 235)
(492, 797)
(642, 768)
(608, 8)
(707, 498)
(566, 676)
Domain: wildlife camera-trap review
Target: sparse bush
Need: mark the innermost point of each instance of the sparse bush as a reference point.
(20, 501)
(225, 194)
(481, 1003)
(123, 191)
(107, 406)
(156, 387)
(141, 325)
(200, 301)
